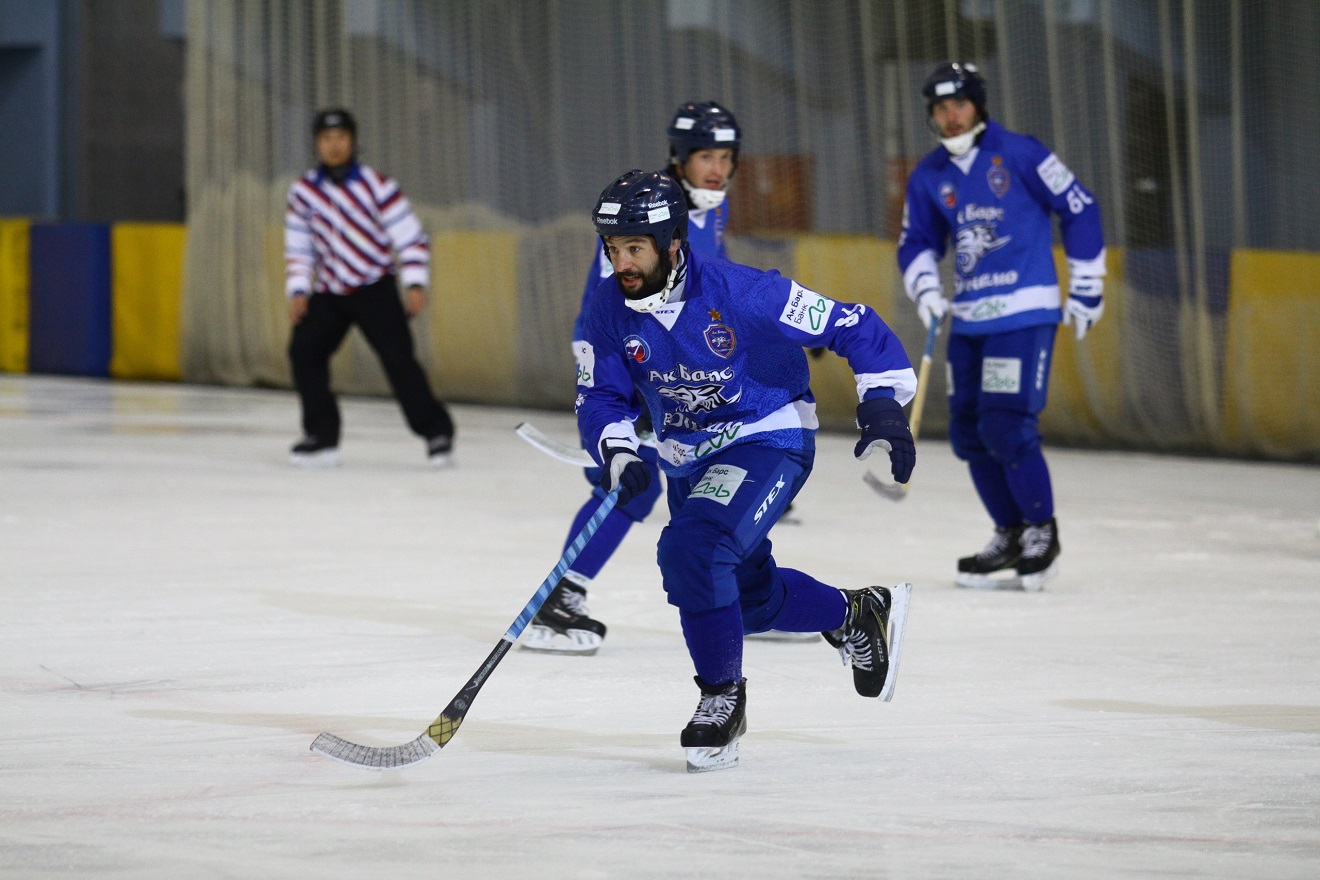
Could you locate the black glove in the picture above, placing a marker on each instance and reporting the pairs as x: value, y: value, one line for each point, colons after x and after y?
x: 623, y: 469
x: 883, y: 424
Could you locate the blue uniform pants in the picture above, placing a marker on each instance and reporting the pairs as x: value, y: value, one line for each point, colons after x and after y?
x: 716, y: 563
x: 997, y: 390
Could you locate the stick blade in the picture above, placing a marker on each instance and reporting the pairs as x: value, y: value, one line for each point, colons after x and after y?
x: 553, y: 448
x: 376, y: 757
x: 892, y: 491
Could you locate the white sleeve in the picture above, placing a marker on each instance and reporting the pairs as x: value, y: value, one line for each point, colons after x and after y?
x: 922, y: 264
x: 1092, y: 268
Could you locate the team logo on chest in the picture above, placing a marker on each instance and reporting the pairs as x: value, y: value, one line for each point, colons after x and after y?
x: 719, y: 336
x: 636, y: 349
x: 997, y: 177
x: 948, y: 195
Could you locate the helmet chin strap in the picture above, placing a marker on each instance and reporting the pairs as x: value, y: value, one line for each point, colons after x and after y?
x: 661, y: 296
x: 703, y: 199
x: 960, y: 144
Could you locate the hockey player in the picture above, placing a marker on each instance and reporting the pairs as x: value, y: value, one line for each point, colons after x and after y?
x: 716, y: 352
x: 993, y: 192
x: 342, y: 227
x: 704, y: 139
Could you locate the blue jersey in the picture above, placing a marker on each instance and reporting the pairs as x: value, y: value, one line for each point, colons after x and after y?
x: 997, y: 210
x: 705, y: 236
x: 724, y: 364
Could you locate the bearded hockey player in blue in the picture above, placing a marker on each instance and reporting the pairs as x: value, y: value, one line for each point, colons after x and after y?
x: 704, y: 139
x: 715, y: 351
x: 993, y: 193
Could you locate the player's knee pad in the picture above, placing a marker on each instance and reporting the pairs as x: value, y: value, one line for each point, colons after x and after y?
x: 964, y: 438
x: 1008, y: 435
x: 697, y: 561
x: 762, y: 591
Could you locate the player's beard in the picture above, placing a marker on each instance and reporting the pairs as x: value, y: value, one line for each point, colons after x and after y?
x: 652, y: 282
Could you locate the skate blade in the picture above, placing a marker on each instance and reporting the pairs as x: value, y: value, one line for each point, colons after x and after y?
x: 775, y: 635
x: 326, y: 458
x: 704, y: 760
x: 577, y: 642
x: 1034, y: 583
x: 1009, y: 581
x: 900, y: 598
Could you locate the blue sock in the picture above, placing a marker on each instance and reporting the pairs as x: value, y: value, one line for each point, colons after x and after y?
x: 603, y: 544
x: 992, y: 485
x: 1029, y: 481
x: 810, y: 606
x: 715, y: 641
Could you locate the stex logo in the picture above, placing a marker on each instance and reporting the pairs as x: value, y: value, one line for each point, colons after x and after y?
x: 769, y: 499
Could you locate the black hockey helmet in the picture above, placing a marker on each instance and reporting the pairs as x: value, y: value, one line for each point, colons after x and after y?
x: 643, y: 203
x: 334, y: 117
x: 956, y: 79
x: 702, y: 125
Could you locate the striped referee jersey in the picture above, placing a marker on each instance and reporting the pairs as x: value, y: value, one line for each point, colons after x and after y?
x: 339, y: 237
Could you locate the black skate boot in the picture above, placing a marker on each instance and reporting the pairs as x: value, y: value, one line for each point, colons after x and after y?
x: 313, y: 452
x: 1001, y: 554
x: 562, y: 625
x: 872, y: 637
x: 440, y: 450
x: 1040, y: 554
x: 711, y: 737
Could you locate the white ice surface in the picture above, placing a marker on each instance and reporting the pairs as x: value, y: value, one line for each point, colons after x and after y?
x: 184, y: 612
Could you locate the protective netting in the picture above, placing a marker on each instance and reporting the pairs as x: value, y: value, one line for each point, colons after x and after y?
x: 502, y: 121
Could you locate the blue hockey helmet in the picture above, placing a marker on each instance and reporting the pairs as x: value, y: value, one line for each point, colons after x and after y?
x: 643, y: 203
x: 955, y: 79
x: 702, y: 125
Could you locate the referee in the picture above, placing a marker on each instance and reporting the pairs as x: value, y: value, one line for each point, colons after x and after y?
x: 344, y: 223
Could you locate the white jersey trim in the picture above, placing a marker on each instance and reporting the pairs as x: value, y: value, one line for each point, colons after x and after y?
x: 619, y: 433
x: 904, y: 383
x: 1024, y: 299
x: 921, y: 264
x: 798, y: 415
x: 1092, y: 268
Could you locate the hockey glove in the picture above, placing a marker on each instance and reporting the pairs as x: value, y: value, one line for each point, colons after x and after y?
x: 622, y: 468
x: 931, y: 303
x: 1085, y: 304
x: 885, y: 426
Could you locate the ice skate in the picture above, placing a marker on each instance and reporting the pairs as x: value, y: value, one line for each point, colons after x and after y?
x: 562, y: 625
x: 312, y: 452
x: 711, y: 737
x: 871, y: 640
x: 440, y: 450
x: 1039, y: 562
x: 992, y: 568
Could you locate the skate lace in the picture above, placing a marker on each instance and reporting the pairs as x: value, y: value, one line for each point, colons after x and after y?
x: 997, y: 545
x: 1036, y: 540
x: 574, y: 603
x: 856, y: 650
x: 714, y: 709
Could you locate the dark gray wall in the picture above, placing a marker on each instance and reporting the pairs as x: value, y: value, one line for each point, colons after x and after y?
x: 128, y: 111
x: 30, y: 66
x: 91, y: 110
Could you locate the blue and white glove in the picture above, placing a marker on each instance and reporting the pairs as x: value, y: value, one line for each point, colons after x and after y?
x: 931, y: 302
x: 884, y: 426
x: 1086, y: 303
x: 622, y: 468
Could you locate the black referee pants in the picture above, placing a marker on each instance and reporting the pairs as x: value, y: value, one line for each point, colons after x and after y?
x: 379, y: 314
